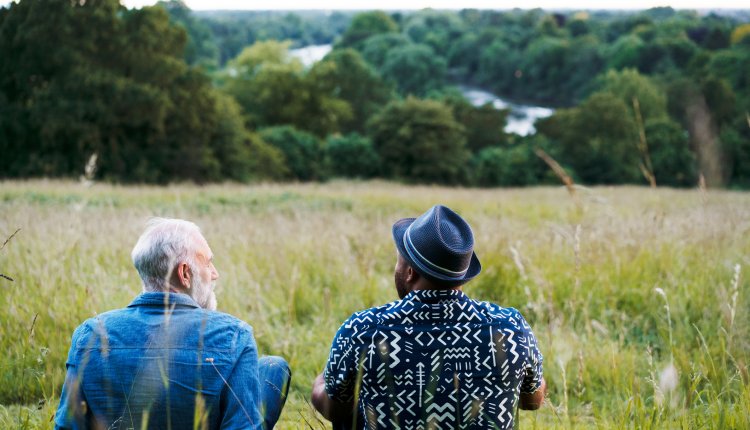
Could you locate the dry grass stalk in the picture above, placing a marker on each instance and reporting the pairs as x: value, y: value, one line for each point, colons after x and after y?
x: 581, y: 386
x: 577, y: 252
x: 646, y: 168
x: 2, y: 275
x: 658, y: 396
x: 647, y: 174
x: 735, y: 291
x: 564, y: 378
x: 9, y: 238
x: 89, y: 171
x: 517, y: 261
x: 663, y: 294
x: 560, y: 172
x: 702, y: 188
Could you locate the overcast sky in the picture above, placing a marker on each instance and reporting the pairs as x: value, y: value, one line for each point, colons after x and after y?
x: 444, y: 4
x: 451, y: 4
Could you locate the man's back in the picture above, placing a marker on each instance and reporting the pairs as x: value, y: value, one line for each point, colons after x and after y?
x: 163, y: 362
x: 435, y: 358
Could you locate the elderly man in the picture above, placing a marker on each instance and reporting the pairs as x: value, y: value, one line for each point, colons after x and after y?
x: 435, y: 358
x: 169, y: 360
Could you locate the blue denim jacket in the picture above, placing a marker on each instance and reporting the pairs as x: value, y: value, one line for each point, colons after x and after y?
x: 163, y: 362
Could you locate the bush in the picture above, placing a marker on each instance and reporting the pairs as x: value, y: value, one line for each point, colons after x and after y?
x: 669, y: 150
x: 303, y: 152
x: 419, y: 140
x: 352, y: 156
x: 514, y: 166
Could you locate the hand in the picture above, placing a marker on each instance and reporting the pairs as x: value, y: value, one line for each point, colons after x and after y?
x: 339, y: 413
x: 533, y: 401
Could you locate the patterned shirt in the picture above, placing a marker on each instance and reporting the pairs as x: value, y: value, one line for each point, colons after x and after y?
x: 437, y: 360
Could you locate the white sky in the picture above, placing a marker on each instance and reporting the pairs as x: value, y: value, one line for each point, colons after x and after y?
x: 444, y: 4
x: 451, y: 4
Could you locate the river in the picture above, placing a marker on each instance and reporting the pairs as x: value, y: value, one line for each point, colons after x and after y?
x: 520, y: 121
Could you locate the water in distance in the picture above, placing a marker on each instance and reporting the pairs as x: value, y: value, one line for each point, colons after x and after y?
x: 522, y: 117
x: 520, y: 121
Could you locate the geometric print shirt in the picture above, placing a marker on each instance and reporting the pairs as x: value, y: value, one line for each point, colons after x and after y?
x: 434, y: 360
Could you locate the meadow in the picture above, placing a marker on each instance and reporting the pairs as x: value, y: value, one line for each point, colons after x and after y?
x: 638, y: 296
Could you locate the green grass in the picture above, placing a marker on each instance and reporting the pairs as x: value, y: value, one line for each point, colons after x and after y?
x: 296, y: 260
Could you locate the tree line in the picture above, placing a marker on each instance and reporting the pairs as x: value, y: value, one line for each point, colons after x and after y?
x: 658, y: 96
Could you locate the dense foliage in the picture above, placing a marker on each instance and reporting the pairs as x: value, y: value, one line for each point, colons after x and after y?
x: 215, y: 37
x: 163, y: 94
x: 95, y: 78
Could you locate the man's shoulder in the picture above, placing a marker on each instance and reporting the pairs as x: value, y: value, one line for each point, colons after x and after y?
x: 216, y: 329
x: 500, y: 314
x: 205, y: 316
x: 495, y: 309
x: 366, y: 319
x: 224, y: 319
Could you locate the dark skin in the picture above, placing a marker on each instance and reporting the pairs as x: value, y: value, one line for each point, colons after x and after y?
x: 407, y: 280
x: 533, y: 401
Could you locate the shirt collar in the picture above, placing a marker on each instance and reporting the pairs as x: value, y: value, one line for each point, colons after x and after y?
x: 435, y: 296
x: 164, y: 299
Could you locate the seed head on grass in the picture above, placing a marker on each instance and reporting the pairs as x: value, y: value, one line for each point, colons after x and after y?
x: 661, y: 292
x: 668, y: 380
x: 2, y: 275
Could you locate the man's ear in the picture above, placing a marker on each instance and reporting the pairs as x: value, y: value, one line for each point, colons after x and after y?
x: 184, y: 274
x: 411, y: 275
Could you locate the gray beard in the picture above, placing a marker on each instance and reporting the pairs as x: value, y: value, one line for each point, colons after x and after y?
x: 203, y: 294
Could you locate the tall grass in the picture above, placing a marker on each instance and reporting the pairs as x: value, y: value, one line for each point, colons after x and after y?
x: 638, y: 296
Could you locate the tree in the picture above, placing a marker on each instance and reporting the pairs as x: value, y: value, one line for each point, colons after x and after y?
x: 625, y: 52
x: 365, y: 25
x: 629, y: 85
x: 420, y: 141
x: 273, y: 90
x: 598, y: 139
x: 93, y: 77
x: 736, y: 147
x: 269, y: 52
x: 200, y: 48
x: 345, y: 75
x: 513, y: 166
x: 352, y: 156
x: 303, y: 152
x: 499, y: 68
x: 673, y: 161
x: 578, y: 26
x: 436, y: 29
x: 585, y: 60
x: 414, y: 69
x: 544, y: 67
x: 740, y: 33
x: 376, y: 48
x: 243, y: 155
x: 484, y: 125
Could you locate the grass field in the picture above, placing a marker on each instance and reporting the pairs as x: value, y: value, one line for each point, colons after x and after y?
x: 639, y: 297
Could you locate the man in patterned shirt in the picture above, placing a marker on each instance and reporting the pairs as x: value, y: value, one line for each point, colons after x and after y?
x: 435, y: 359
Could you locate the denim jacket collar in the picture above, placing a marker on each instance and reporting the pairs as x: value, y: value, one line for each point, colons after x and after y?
x: 164, y: 299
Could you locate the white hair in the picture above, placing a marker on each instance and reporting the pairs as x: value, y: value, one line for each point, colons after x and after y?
x: 164, y: 244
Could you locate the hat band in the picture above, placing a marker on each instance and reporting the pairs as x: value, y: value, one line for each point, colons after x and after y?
x: 409, y: 246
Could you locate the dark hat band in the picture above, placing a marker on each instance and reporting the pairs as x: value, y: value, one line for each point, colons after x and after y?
x: 419, y: 258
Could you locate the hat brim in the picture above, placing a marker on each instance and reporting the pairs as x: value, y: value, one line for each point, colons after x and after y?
x: 399, y: 229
